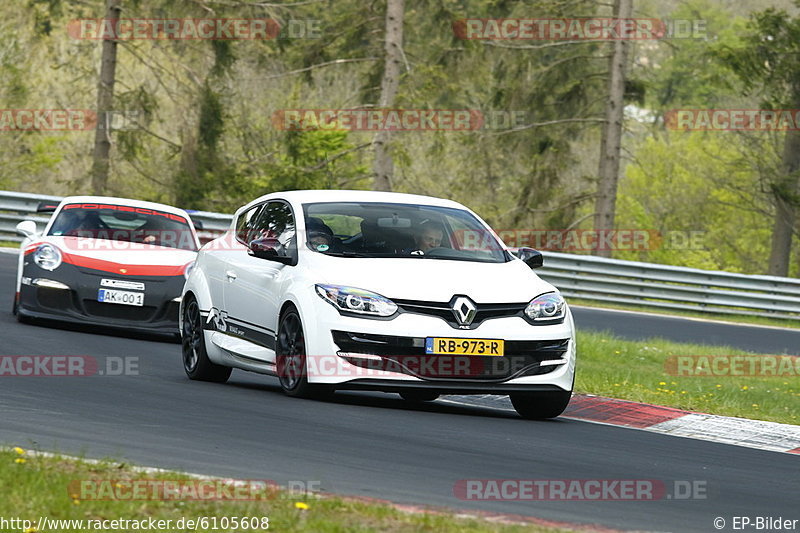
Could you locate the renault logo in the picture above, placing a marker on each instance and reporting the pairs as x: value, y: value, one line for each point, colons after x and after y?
x: 464, y: 309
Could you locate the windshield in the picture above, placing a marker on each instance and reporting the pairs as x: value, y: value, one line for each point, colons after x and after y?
x: 124, y: 223
x: 352, y: 229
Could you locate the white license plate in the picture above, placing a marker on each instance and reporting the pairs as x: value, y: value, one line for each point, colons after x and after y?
x: 120, y: 297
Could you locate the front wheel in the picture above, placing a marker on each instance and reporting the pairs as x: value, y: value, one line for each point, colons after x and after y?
x: 291, y: 365
x: 540, y: 405
x: 196, y: 363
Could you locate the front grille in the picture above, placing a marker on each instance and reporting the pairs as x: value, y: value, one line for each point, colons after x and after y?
x: 407, y: 355
x: 119, y: 312
x: 59, y: 299
x: 445, y: 312
x: 173, y: 311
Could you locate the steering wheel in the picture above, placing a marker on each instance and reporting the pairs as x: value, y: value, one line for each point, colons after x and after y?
x: 433, y: 251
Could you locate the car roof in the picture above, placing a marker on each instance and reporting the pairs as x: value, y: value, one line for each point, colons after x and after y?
x: 124, y: 201
x: 314, y: 196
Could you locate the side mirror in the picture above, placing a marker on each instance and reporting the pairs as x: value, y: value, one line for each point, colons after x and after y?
x: 27, y: 228
x: 532, y: 258
x: 269, y: 248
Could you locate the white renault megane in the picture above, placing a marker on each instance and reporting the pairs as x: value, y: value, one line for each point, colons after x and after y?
x: 345, y: 290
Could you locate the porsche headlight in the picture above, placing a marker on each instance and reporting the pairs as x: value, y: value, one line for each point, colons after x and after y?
x: 549, y: 307
x: 359, y: 301
x: 47, y: 257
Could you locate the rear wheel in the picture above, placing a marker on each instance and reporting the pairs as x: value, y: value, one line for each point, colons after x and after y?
x: 540, y: 405
x: 195, y: 358
x: 419, y: 395
x: 290, y: 352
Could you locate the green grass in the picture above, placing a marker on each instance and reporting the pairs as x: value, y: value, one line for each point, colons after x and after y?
x: 34, y: 485
x: 9, y: 244
x: 735, y: 319
x: 635, y: 370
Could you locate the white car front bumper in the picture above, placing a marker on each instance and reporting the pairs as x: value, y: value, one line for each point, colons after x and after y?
x: 365, y: 353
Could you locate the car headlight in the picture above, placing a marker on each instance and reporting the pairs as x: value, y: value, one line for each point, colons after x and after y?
x: 359, y: 301
x: 47, y: 257
x: 549, y: 307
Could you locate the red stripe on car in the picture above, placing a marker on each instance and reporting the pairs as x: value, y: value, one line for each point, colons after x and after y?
x: 123, y: 268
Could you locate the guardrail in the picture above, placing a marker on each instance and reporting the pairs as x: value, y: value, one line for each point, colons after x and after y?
x: 671, y: 287
x: 577, y: 276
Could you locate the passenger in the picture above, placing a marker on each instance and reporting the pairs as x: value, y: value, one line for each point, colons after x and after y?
x: 78, y: 223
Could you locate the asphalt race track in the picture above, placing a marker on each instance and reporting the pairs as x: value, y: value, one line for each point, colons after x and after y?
x: 375, y: 444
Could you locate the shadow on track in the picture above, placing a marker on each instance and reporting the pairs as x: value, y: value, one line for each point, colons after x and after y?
x: 379, y: 400
x: 92, y: 329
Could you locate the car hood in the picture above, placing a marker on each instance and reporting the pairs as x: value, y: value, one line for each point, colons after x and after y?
x: 432, y: 280
x: 114, y: 256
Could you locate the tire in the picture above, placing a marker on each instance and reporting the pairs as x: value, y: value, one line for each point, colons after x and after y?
x: 540, y: 405
x: 196, y: 363
x: 290, y: 352
x: 419, y: 395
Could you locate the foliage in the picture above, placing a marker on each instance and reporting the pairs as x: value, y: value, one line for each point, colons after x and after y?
x: 202, y: 134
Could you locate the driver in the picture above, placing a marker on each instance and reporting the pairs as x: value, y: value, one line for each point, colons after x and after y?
x: 428, y: 236
x: 320, y: 235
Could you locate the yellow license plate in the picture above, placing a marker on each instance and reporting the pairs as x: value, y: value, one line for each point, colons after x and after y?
x: 448, y: 346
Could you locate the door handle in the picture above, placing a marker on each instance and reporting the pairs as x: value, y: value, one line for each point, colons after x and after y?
x: 231, y: 275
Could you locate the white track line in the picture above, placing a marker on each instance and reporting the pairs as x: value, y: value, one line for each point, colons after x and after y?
x: 755, y: 434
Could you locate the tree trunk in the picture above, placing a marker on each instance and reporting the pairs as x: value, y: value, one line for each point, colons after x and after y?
x: 383, y: 166
x: 786, y: 198
x: 608, y: 171
x: 105, y: 103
